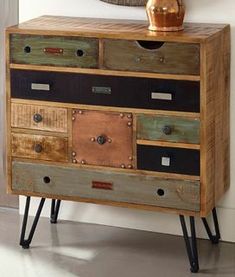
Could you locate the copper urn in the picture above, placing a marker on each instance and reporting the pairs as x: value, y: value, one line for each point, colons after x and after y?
x: 165, y: 15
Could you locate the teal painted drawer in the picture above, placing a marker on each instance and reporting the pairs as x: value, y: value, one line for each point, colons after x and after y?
x: 50, y: 50
x: 166, y: 128
x: 106, y: 185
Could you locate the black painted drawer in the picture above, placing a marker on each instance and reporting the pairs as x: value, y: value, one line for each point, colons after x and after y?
x: 167, y: 159
x: 106, y: 90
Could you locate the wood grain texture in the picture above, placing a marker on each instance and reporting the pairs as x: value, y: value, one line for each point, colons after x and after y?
x: 114, y: 28
x: 170, y: 58
x: 168, y: 144
x: 53, y: 119
x: 215, y: 73
x: 39, y: 147
x: 115, y: 151
x: 67, y: 45
x: 180, y: 129
x: 128, y: 188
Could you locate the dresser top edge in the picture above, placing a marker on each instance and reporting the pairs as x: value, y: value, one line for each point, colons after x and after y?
x: 114, y: 28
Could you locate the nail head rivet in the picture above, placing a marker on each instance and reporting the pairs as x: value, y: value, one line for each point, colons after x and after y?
x: 74, y: 154
x: 129, y: 166
x: 93, y: 139
x: 129, y: 124
x: 74, y: 161
x: 122, y: 166
x: 73, y: 118
x: 83, y: 162
x: 109, y: 140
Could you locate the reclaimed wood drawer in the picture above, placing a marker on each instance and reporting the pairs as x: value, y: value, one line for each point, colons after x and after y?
x: 166, y: 128
x: 102, y: 138
x: 168, y: 159
x: 54, y: 50
x: 150, y: 56
x: 113, y: 91
x: 39, y: 147
x: 106, y: 185
x: 39, y: 117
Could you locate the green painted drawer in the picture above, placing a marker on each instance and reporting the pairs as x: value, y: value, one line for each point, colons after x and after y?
x: 106, y: 185
x: 51, y: 50
x: 168, y: 128
x: 150, y: 56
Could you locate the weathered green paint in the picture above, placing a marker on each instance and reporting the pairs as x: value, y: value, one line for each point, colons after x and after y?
x: 69, y: 45
x: 184, y: 130
x: 171, y: 57
x: 129, y: 188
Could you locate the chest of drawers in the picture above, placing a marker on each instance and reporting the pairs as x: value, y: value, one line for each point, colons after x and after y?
x: 104, y: 111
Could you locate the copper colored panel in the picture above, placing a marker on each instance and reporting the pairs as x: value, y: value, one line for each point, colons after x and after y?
x: 102, y: 138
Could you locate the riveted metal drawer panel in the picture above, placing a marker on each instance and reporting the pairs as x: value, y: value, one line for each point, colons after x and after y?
x: 168, y: 159
x: 143, y: 93
x: 106, y: 185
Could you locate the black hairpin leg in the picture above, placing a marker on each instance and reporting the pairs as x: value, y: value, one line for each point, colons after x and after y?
x: 191, y: 243
x: 213, y: 238
x: 26, y: 242
x: 55, y: 206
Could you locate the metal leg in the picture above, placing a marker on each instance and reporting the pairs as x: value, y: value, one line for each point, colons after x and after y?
x: 55, y: 206
x: 191, y: 243
x: 26, y: 242
x: 213, y: 238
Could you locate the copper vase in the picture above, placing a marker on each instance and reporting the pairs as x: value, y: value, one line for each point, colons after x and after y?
x: 165, y: 15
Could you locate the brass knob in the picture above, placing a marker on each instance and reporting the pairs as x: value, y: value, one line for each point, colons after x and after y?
x: 167, y: 130
x: 37, y: 118
x: 101, y: 139
x: 38, y: 148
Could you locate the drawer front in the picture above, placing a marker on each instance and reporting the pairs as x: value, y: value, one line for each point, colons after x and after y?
x: 158, y: 57
x: 168, y: 159
x: 58, y: 51
x: 106, y: 185
x: 165, y: 128
x: 39, y: 147
x: 102, y: 138
x: 107, y: 90
x: 39, y: 118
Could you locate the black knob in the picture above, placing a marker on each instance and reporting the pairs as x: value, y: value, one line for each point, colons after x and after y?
x: 101, y: 140
x: 160, y: 192
x: 37, y: 118
x: 80, y: 52
x: 27, y: 49
x: 46, y: 180
x: 167, y: 130
x: 38, y: 148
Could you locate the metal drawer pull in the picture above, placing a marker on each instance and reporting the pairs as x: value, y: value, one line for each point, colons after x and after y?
x: 51, y: 50
x: 37, y: 86
x: 37, y: 118
x: 161, y: 96
x: 166, y: 161
x: 102, y: 185
x: 102, y: 90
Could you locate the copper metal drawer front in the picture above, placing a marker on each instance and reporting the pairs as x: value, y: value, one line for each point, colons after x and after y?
x: 166, y: 128
x: 50, y: 50
x: 113, y: 91
x: 39, y: 117
x: 118, y: 187
x: 39, y: 147
x: 168, y: 159
x: 102, y: 138
x: 150, y: 56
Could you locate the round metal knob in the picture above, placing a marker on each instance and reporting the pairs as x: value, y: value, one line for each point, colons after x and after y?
x: 167, y: 130
x: 101, y: 139
x: 38, y: 148
x: 37, y: 118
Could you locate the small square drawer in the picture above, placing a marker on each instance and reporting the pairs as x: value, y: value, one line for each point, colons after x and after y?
x: 130, y: 92
x: 39, y: 118
x: 54, y: 50
x: 39, y: 147
x: 106, y: 186
x: 168, y: 159
x: 152, y: 56
x: 166, y: 128
x: 102, y: 138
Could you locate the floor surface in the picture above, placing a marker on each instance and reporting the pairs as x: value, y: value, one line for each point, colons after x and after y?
x: 87, y: 250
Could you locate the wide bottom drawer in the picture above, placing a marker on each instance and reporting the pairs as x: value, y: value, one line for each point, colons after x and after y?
x: 105, y: 185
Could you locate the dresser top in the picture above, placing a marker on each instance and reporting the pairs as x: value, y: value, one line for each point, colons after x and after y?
x: 114, y: 28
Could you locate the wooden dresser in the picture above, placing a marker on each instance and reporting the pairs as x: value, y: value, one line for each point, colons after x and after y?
x: 105, y: 111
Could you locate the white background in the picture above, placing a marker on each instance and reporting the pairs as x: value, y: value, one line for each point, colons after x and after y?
x: 197, y: 11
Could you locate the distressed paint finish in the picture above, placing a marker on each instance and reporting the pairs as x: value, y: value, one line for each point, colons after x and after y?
x: 69, y: 46
x: 52, y: 148
x: 130, y: 188
x: 53, y: 119
x: 182, y: 129
x: 173, y: 58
